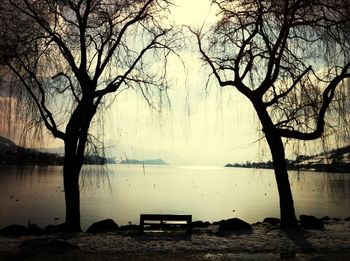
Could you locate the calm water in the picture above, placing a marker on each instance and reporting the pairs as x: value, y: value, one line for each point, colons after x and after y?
x: 122, y: 192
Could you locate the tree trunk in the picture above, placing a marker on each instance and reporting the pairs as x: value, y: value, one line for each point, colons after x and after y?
x: 287, y: 212
x: 75, y: 142
x: 71, y: 171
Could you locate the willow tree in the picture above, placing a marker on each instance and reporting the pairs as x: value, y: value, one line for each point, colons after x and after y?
x: 287, y: 57
x: 70, y: 55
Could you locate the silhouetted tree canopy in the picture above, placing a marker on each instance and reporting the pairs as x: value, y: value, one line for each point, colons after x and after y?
x: 66, y: 56
x: 291, y: 53
x: 288, y: 58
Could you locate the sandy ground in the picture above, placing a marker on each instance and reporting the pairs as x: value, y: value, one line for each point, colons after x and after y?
x: 265, y: 242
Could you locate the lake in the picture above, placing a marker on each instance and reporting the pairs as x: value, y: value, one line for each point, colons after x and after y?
x: 209, y: 193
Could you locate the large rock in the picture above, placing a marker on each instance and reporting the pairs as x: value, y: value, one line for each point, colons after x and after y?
x: 14, y: 230
x: 107, y: 225
x: 234, y: 224
x: 310, y: 222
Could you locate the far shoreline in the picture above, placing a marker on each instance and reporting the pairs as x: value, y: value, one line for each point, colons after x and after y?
x: 263, y: 166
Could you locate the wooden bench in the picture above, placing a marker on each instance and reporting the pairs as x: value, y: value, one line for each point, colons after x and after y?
x: 165, y: 220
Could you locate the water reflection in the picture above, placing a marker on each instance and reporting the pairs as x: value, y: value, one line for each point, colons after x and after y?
x: 335, y: 185
x: 122, y: 192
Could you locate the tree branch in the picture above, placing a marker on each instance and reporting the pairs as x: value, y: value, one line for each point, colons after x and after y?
x: 43, y: 24
x: 117, y: 81
x: 76, y: 97
x: 327, y: 96
x: 239, y: 85
x: 284, y: 94
x: 43, y: 110
x: 140, y: 15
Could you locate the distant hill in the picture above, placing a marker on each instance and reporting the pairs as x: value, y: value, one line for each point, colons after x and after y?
x: 336, y: 160
x: 10, y: 153
x: 7, y: 145
x: 58, y: 150
x: 145, y: 162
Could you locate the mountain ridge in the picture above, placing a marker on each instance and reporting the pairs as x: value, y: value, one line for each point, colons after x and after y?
x: 11, y: 153
x: 145, y: 162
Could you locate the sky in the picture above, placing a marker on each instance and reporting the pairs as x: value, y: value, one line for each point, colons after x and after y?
x: 205, y: 127
x: 206, y: 124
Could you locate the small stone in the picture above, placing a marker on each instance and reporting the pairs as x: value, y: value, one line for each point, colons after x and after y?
x: 34, y: 229
x: 107, y: 225
x: 325, y: 218
x: 50, y: 229
x: 200, y: 224
x: 272, y: 220
x: 310, y: 222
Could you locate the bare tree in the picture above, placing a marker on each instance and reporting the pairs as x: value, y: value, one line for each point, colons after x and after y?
x: 287, y: 57
x: 70, y: 55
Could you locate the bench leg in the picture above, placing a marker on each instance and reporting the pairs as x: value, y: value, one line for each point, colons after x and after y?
x: 189, y: 229
x: 189, y: 226
x: 142, y: 223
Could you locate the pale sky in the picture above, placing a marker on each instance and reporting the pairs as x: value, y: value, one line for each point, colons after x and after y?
x: 193, y: 12
x: 202, y: 127
x: 211, y: 128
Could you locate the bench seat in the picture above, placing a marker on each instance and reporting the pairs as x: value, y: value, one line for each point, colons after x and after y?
x: 164, y: 220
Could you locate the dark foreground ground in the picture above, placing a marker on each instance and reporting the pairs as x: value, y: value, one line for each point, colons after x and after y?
x: 264, y: 242
x: 186, y: 257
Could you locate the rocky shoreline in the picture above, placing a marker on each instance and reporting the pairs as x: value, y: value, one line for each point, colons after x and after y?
x: 109, y: 225
x: 231, y: 239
